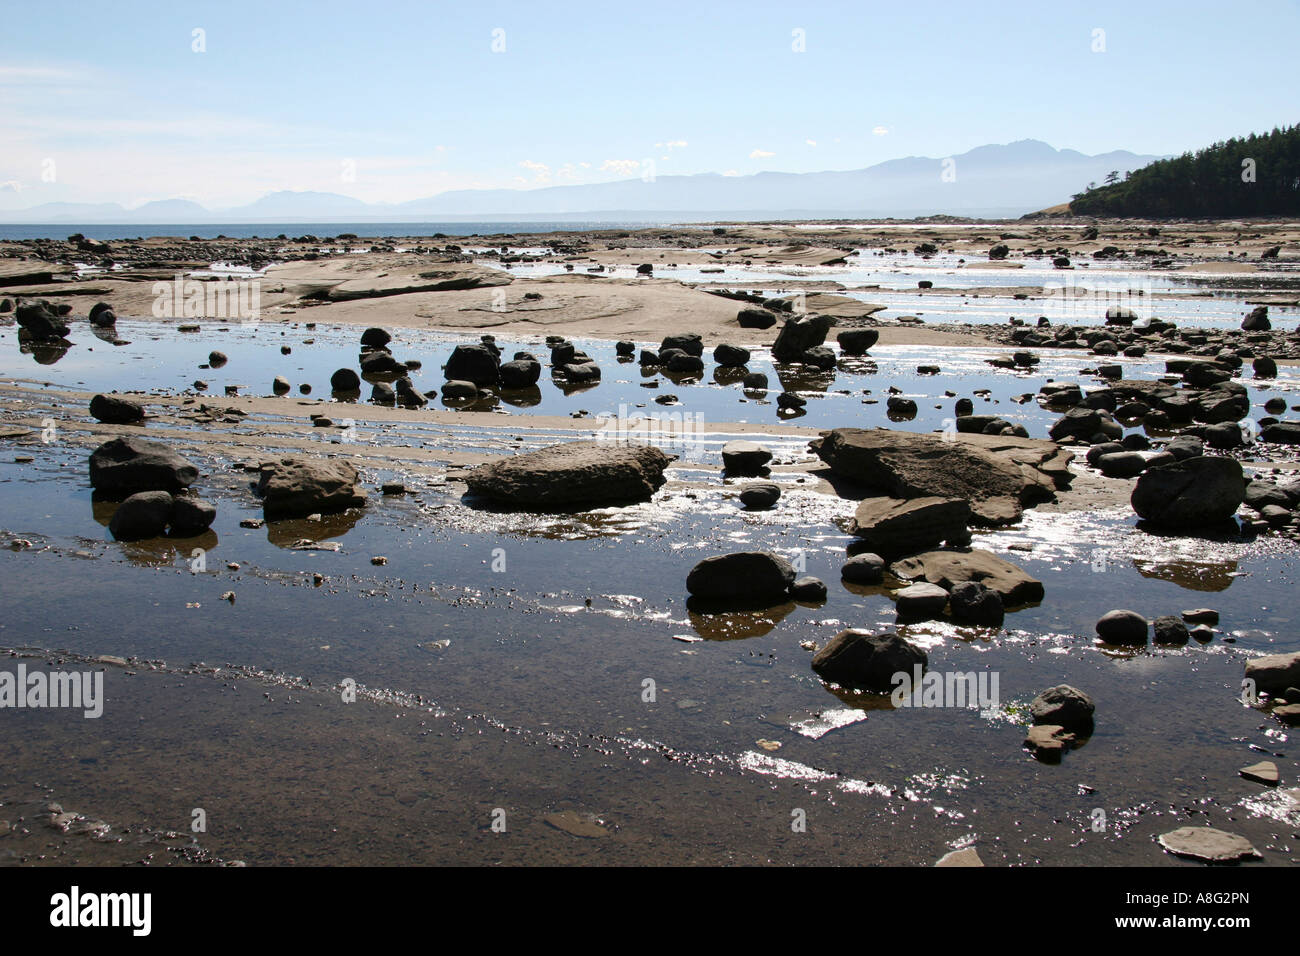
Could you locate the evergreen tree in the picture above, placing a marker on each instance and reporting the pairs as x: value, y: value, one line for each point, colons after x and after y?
x: 1256, y: 175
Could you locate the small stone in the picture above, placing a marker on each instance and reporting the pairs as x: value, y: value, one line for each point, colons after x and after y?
x: 863, y: 569
x: 379, y: 559
x: 1203, y: 615
x: 1064, y: 706
x: 1208, y: 845
x: 808, y: 589
x: 1122, y: 627
x: 921, y: 601
x: 1264, y: 772
x: 1048, y: 742
x: 760, y: 495
x: 965, y: 857
x: 576, y: 824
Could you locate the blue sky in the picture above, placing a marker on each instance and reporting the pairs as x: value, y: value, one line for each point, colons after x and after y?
x: 390, y: 100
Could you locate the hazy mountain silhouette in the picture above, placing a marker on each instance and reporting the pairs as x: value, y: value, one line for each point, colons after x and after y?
x: 989, y: 181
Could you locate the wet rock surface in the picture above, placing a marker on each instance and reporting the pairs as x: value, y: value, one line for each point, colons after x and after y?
x: 294, y: 487
x: 573, y: 474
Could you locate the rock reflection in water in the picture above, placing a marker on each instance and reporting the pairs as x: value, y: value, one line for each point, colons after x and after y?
x: 286, y: 534
x: 163, y: 552
x: 714, y: 622
x: 1192, y: 575
x: 522, y: 397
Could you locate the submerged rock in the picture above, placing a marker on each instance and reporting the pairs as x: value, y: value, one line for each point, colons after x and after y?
x: 1048, y: 742
x: 573, y: 474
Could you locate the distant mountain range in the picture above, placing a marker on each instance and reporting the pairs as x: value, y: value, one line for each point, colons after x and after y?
x: 998, y: 181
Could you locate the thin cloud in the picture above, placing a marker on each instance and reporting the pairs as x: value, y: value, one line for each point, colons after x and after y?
x: 623, y: 167
x: 760, y: 154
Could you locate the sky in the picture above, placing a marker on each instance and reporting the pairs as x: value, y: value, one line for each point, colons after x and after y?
x: 390, y: 100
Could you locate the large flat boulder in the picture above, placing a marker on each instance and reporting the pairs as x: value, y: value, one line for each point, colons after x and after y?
x: 949, y: 567
x: 897, y: 526
x: 298, y: 487
x: 997, y: 476
x: 574, y: 474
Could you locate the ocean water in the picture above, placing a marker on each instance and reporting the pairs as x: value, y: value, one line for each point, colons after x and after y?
x: 268, y: 230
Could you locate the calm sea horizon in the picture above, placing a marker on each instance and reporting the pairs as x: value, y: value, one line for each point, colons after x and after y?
x: 270, y: 230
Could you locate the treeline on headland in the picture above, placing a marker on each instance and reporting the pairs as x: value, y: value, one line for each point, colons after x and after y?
x: 1258, y: 175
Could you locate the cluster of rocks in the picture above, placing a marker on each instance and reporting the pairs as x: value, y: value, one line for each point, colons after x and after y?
x: 390, y: 379
x: 922, y: 495
x: 1181, y: 484
x: 1275, y: 679
x: 1129, y: 628
x: 1124, y: 332
x: 41, y: 322
x: 150, y: 481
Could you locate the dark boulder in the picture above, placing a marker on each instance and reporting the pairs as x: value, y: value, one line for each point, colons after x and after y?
x: 1190, y: 494
x: 115, y: 410
x: 124, y: 466
x: 742, y: 577
x: 865, y: 661
x: 145, y: 514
